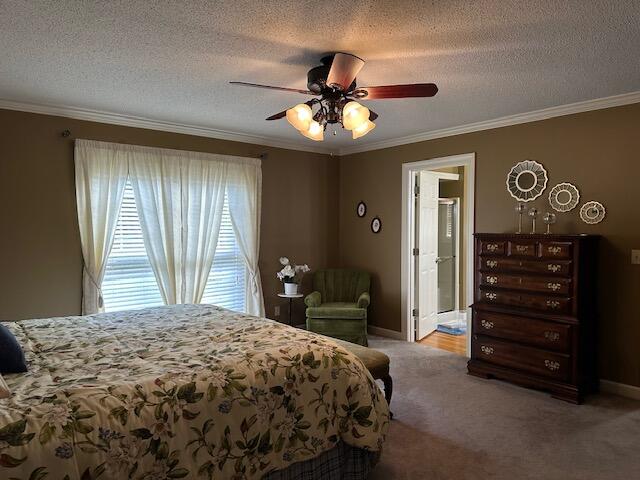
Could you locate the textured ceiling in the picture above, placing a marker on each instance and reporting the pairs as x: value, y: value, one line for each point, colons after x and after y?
x: 172, y: 61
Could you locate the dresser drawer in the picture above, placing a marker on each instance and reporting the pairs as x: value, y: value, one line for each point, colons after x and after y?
x: 510, y: 264
x: 522, y: 248
x: 544, y: 303
x: 497, y: 247
x: 524, y: 282
x: 556, y: 249
x: 538, y: 333
x: 527, y: 359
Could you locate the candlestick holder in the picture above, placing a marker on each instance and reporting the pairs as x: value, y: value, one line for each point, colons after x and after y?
x: 533, y: 213
x: 520, y: 208
x: 549, y: 219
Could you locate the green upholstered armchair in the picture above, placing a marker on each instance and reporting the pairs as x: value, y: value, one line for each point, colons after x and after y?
x: 338, y: 305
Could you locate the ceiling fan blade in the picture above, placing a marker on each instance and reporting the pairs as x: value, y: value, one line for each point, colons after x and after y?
x: 344, y: 69
x: 283, y: 89
x: 277, y: 116
x: 396, y: 91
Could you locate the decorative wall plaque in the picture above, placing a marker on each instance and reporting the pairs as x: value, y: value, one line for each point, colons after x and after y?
x: 527, y: 180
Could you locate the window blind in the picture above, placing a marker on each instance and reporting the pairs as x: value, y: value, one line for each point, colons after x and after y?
x: 227, y: 280
x: 129, y: 282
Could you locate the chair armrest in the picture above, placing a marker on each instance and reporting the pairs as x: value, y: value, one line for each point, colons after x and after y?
x: 364, y: 300
x: 314, y: 299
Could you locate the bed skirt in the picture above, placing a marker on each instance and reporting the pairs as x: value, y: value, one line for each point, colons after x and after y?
x: 342, y: 462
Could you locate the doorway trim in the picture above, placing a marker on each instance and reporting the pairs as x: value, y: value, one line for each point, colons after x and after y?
x: 407, y: 281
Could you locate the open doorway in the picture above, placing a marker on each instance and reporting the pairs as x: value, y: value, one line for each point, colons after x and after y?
x: 437, y: 270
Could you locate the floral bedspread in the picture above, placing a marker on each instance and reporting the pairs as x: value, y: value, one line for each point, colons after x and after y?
x: 191, y: 391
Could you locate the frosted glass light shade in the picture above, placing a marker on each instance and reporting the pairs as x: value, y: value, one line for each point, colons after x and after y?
x: 300, y: 116
x: 363, y: 129
x: 314, y: 132
x: 354, y: 115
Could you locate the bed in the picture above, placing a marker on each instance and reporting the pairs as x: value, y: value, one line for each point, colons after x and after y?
x: 189, y: 391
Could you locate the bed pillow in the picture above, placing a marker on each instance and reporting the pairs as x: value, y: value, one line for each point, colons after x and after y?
x: 4, y: 390
x: 11, y: 355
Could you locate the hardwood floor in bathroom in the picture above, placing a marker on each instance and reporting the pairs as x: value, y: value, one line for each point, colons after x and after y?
x: 451, y: 343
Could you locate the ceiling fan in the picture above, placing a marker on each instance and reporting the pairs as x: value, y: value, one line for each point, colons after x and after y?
x: 334, y: 82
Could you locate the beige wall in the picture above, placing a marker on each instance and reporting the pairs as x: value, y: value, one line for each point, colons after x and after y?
x: 40, y: 258
x: 597, y: 151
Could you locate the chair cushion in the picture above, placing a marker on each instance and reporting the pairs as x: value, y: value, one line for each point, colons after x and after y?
x: 376, y: 362
x: 343, y: 310
x: 11, y: 355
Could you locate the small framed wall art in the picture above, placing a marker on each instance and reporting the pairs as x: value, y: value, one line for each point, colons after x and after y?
x: 376, y: 225
x: 361, y: 209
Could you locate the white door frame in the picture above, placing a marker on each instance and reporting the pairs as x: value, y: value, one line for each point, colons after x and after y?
x: 407, y: 280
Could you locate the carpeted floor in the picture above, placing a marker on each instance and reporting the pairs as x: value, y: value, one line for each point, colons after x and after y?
x: 449, y: 425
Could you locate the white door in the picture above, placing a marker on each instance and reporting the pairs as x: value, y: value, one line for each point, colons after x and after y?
x: 426, y: 264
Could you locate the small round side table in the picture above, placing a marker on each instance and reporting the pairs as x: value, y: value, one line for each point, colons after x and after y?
x: 290, y: 297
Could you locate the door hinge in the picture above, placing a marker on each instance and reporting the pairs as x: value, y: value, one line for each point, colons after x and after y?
x: 414, y: 312
x: 416, y: 190
x: 416, y: 252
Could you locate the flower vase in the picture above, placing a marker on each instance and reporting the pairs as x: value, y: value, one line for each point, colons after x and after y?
x: 290, y: 288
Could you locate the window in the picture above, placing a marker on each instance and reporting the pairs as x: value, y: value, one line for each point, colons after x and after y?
x: 129, y: 281
x: 226, y: 283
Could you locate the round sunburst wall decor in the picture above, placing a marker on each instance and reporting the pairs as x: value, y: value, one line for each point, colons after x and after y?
x: 564, y: 197
x: 527, y: 180
x: 592, y: 212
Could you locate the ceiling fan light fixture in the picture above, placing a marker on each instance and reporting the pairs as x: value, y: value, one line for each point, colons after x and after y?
x: 300, y: 116
x: 314, y: 132
x: 354, y: 115
x: 334, y: 85
x: 362, y: 129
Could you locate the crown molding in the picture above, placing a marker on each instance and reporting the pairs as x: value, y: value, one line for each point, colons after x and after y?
x: 534, y: 116
x: 142, y: 122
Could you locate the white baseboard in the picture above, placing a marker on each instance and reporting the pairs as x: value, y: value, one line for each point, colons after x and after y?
x: 384, y: 332
x: 621, y: 389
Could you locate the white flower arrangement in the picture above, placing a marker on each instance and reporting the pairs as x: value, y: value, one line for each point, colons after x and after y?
x: 290, y: 272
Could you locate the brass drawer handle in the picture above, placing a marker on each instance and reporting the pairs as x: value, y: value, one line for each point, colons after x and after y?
x: 552, y: 365
x: 486, y: 350
x: 521, y: 248
x: 553, y: 304
x: 492, y: 280
x: 552, y: 267
x: 554, y: 250
x: 492, y: 247
x: 551, y: 336
x: 490, y: 296
x: 486, y: 324
x: 554, y: 286
x: 492, y: 263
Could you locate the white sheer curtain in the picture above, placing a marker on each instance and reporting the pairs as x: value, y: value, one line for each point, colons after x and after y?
x: 244, y: 188
x: 179, y: 196
x: 101, y: 174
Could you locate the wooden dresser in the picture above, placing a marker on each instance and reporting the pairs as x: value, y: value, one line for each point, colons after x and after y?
x: 534, y: 312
